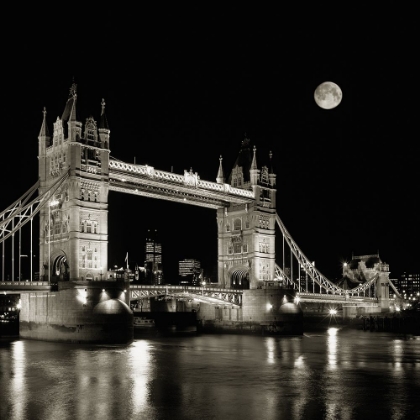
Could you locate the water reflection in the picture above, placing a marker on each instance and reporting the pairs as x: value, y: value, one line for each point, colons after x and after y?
x: 332, y: 347
x: 17, y: 380
x: 334, y: 375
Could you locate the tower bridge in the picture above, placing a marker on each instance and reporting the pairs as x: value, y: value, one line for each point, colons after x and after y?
x: 70, y: 200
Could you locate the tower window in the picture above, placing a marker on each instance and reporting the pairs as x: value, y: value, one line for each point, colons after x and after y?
x: 237, y: 224
x: 237, y: 248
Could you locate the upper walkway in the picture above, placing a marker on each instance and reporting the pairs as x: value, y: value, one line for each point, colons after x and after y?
x: 147, y: 181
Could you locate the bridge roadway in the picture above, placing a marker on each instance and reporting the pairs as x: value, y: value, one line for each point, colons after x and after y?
x: 205, y: 294
x: 24, y: 286
x: 337, y: 299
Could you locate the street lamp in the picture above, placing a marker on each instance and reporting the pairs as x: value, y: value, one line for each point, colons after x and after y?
x: 51, y: 204
x: 20, y: 265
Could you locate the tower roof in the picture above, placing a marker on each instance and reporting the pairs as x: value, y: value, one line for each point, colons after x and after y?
x: 244, y: 159
x: 69, y: 113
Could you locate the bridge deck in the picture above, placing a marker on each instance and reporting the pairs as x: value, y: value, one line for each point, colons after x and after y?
x: 24, y: 286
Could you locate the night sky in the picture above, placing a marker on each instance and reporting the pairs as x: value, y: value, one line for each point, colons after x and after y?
x: 183, y: 85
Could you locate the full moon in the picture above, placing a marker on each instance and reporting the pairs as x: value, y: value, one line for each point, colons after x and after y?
x: 328, y: 95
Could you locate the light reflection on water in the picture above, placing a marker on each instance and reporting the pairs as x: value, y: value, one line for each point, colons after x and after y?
x: 339, y: 374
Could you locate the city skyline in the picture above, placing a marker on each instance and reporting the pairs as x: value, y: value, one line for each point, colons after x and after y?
x: 185, y: 95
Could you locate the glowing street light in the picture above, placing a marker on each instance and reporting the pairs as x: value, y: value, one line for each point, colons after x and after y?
x: 51, y: 204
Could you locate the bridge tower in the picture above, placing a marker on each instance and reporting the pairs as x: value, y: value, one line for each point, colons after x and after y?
x: 246, y: 232
x: 73, y: 226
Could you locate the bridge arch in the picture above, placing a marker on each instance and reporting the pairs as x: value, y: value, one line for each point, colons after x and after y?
x: 239, y: 277
x: 60, y: 269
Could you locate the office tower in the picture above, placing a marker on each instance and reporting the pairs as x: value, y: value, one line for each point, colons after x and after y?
x: 153, y: 258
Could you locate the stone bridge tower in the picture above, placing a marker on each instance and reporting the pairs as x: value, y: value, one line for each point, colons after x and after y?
x: 246, y: 233
x: 74, y: 223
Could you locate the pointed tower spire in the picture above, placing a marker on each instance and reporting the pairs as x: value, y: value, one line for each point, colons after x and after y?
x: 69, y: 113
x: 103, y: 122
x: 103, y: 128
x: 254, y: 158
x: 44, y: 137
x: 44, y: 128
x: 271, y: 174
x: 71, y: 125
x: 270, y: 155
x: 254, y: 172
x: 220, y: 176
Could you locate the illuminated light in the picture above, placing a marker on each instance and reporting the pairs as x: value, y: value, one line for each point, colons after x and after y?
x: 125, y: 291
x: 103, y: 290
x: 297, y: 300
x: 332, y: 331
x: 269, y: 306
x: 19, y: 305
x: 82, y: 296
x: 333, y: 311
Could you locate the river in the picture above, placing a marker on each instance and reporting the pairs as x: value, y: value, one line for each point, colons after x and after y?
x: 334, y: 374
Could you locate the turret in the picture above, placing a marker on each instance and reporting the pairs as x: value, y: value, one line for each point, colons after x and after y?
x: 44, y: 137
x: 103, y: 128
x: 271, y: 174
x: 220, y: 179
x: 254, y: 171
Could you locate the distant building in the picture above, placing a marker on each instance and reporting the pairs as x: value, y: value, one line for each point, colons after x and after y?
x: 153, y: 259
x: 408, y: 285
x: 306, y: 282
x: 189, y: 272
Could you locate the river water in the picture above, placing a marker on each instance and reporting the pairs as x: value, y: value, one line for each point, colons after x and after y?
x: 334, y: 374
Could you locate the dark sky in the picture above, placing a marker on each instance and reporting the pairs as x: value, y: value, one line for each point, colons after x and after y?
x: 182, y: 86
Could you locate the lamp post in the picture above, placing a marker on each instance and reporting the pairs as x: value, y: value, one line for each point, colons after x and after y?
x: 20, y: 265
x: 101, y: 273
x: 51, y: 204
